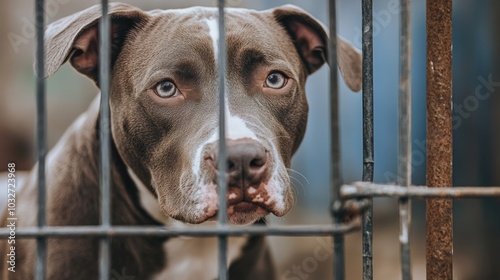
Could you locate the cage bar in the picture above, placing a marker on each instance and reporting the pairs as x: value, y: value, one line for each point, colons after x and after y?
x: 368, y: 157
x: 41, y: 132
x: 202, y: 231
x: 404, y: 136
x: 335, y: 164
x: 221, y: 164
x: 364, y: 189
x: 105, y: 142
x: 439, y: 212
x: 439, y: 192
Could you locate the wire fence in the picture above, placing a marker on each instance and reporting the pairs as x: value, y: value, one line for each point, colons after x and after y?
x: 344, y: 198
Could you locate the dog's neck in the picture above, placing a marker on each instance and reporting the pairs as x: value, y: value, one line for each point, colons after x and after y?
x: 196, y: 253
x: 149, y: 202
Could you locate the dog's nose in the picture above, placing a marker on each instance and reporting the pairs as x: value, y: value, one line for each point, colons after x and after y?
x: 246, y: 163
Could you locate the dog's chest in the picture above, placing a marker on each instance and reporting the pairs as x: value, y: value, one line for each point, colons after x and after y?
x: 193, y: 258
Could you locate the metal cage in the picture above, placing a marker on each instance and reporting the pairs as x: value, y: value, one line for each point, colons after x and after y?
x: 358, y: 195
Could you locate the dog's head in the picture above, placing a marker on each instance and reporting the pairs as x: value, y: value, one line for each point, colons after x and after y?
x: 164, y: 101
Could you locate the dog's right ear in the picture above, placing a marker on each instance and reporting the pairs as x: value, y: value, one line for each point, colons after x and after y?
x: 76, y: 38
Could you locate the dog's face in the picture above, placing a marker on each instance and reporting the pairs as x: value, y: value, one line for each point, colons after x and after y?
x: 164, y: 100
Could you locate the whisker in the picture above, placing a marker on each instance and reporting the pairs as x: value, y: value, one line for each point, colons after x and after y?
x: 301, y: 186
x: 297, y: 172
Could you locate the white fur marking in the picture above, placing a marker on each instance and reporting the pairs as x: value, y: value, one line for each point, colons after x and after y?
x: 276, y: 187
x: 207, y: 199
x: 199, y: 150
x: 251, y: 190
x: 214, y: 34
x: 237, y: 128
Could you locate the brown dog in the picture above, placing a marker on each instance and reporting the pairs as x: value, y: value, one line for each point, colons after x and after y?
x: 164, y: 132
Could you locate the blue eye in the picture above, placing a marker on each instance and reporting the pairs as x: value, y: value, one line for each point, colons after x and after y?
x: 276, y: 80
x: 166, y: 89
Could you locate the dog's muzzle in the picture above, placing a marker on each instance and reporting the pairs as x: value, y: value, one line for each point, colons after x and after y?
x: 248, y: 172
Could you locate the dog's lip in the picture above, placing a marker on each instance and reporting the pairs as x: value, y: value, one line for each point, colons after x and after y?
x: 245, y: 207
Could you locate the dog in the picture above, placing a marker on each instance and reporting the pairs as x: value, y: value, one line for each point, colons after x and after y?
x: 164, y: 126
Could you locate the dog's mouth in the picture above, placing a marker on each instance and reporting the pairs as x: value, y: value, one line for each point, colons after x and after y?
x: 243, y: 207
x: 247, y: 207
x: 243, y: 212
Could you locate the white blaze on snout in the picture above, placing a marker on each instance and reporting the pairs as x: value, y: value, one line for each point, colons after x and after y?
x: 236, y: 128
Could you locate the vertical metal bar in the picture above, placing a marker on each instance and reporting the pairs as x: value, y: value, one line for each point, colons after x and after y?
x: 221, y: 164
x: 404, y: 141
x: 104, y: 138
x: 439, y: 213
x: 41, y: 136
x: 336, y: 176
x: 368, y: 160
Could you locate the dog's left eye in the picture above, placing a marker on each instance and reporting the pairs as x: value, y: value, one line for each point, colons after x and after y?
x: 276, y: 80
x: 166, y: 89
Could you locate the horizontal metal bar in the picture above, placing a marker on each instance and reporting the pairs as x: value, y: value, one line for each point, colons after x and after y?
x: 364, y: 189
x: 201, y: 231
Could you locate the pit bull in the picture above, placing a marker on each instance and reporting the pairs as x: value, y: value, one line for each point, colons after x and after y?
x: 164, y: 126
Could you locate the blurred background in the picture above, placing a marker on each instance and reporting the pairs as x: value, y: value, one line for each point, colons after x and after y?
x: 475, y: 123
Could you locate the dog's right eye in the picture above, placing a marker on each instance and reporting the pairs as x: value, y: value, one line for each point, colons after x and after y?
x: 166, y: 89
x: 275, y: 80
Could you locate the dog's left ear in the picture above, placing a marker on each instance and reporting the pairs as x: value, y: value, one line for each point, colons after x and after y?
x: 76, y: 38
x: 311, y: 41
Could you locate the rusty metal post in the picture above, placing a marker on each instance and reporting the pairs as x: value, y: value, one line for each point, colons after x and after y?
x: 439, y: 214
